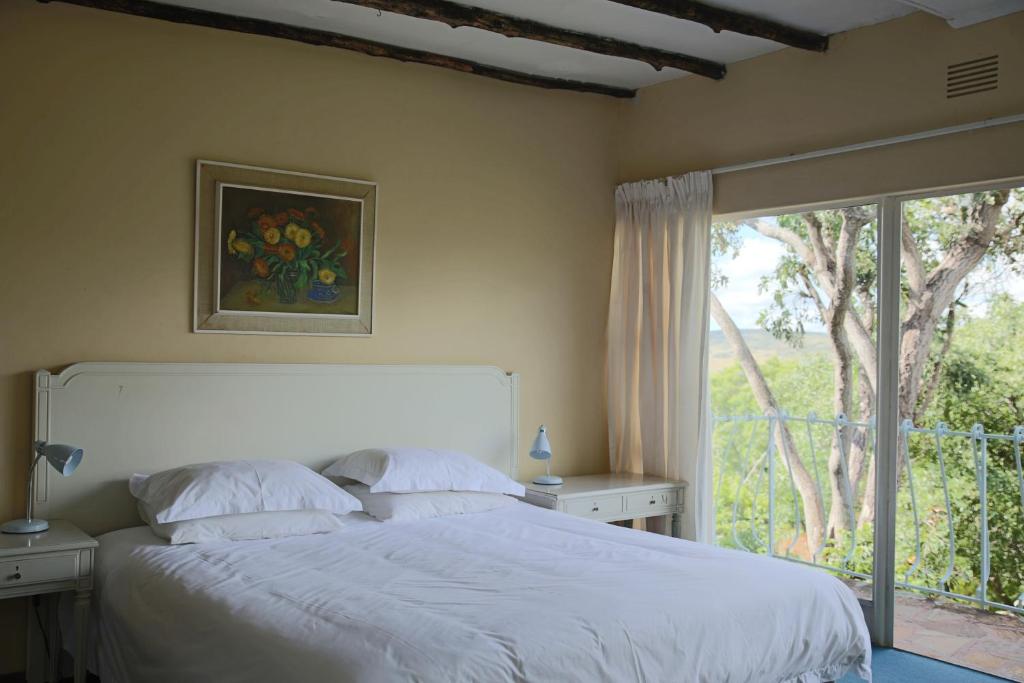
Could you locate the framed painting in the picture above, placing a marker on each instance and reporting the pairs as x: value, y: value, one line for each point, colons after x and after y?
x: 282, y: 252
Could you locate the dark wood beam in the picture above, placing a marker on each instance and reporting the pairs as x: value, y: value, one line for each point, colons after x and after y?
x: 719, y: 19
x: 456, y: 15
x: 262, y: 27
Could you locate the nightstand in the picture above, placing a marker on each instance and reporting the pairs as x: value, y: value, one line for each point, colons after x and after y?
x: 59, y: 559
x: 613, y: 497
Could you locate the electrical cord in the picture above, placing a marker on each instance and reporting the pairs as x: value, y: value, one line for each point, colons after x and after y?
x: 42, y: 629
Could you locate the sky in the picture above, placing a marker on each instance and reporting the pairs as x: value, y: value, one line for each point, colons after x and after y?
x: 758, y: 257
x: 740, y: 296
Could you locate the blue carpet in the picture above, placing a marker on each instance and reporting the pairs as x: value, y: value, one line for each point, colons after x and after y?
x: 895, y: 666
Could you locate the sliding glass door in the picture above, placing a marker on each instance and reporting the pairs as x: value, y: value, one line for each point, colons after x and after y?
x: 868, y: 399
x: 793, y: 387
x: 959, y: 513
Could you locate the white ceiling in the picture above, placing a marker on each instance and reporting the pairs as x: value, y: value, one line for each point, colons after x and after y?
x: 595, y: 16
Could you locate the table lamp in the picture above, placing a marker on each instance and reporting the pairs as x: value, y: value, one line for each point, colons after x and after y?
x: 62, y: 458
x: 541, y: 450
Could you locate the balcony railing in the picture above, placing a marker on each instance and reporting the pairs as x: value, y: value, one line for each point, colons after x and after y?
x: 945, y: 514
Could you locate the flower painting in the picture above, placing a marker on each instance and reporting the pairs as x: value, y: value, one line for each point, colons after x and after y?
x: 286, y: 253
x: 287, y: 260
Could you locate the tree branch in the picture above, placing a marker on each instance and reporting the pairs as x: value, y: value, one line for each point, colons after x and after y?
x: 812, y: 505
x: 935, y: 375
x: 912, y: 260
x: 787, y: 237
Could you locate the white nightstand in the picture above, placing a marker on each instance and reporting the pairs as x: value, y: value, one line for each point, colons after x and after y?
x: 57, y: 560
x: 613, y: 497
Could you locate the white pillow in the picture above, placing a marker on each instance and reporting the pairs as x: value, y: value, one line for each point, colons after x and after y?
x: 426, y: 504
x: 236, y: 487
x: 409, y: 470
x: 249, y: 526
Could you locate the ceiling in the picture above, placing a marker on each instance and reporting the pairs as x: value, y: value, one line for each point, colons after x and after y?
x: 600, y: 17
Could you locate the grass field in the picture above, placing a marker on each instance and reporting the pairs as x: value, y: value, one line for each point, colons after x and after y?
x: 763, y: 346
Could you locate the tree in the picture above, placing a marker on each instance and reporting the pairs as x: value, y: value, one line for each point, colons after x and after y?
x: 827, y: 276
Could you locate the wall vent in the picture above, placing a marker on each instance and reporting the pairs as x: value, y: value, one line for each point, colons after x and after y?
x: 968, y: 78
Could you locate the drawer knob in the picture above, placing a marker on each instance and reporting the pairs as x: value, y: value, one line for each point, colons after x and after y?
x: 16, y: 576
x: 594, y: 509
x: 652, y: 502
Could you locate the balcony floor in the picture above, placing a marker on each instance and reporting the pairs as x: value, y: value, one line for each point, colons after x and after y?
x: 941, y: 629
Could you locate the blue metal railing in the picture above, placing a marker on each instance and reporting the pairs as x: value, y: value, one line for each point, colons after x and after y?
x: 747, y: 448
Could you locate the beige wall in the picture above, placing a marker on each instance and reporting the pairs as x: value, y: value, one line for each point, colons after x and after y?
x: 874, y: 82
x: 495, y: 204
x: 495, y: 218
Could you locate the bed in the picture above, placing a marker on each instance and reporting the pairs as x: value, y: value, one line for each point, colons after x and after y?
x: 514, y: 594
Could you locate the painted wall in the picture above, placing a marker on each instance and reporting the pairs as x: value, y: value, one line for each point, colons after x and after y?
x: 874, y: 82
x: 496, y: 200
x: 495, y: 220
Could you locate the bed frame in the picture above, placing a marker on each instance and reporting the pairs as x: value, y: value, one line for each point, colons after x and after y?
x: 145, y: 417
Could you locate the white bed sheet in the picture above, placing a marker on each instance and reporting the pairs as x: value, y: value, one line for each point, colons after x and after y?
x: 514, y: 594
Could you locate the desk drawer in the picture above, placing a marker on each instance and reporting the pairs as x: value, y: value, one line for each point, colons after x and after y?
x: 598, y: 507
x: 38, y: 569
x: 650, y: 500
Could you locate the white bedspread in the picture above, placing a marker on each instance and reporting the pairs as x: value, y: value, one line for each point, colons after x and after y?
x: 514, y: 594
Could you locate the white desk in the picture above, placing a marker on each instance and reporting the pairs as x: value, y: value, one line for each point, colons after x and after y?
x: 613, y: 497
x: 57, y: 560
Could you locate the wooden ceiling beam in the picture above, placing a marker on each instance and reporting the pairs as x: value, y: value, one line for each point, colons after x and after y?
x: 456, y: 15
x: 719, y: 19
x: 262, y: 27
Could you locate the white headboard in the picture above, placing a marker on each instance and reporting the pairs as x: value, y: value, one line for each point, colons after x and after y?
x: 145, y: 417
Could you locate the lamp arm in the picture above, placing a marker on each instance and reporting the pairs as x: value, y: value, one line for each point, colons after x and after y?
x: 28, y: 486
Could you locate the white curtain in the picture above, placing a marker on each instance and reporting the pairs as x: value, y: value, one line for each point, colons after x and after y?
x: 658, y: 413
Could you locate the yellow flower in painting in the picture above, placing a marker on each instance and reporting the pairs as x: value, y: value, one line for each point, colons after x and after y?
x: 231, y: 242
x: 271, y: 235
x: 291, y: 230
x: 303, y: 237
x: 326, y: 276
x: 242, y: 247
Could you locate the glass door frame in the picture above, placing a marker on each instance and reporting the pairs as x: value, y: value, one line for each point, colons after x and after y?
x: 879, y: 611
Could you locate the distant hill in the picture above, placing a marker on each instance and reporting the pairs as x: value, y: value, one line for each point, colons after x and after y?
x: 764, y: 346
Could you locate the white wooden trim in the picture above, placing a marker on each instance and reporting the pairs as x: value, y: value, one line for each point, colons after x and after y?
x: 886, y: 474
x: 871, y: 144
x: 145, y: 417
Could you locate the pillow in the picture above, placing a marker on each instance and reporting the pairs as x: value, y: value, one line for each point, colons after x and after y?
x: 236, y: 487
x: 249, y: 526
x: 410, y: 470
x: 427, y: 504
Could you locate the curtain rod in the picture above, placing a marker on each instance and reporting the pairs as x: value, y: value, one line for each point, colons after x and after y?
x: 883, y: 142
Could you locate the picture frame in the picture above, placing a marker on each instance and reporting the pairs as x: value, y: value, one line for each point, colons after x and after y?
x: 282, y: 252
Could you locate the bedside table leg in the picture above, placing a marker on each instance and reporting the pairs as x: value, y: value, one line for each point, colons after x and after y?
x: 51, y: 603
x: 81, y: 632
x: 677, y: 525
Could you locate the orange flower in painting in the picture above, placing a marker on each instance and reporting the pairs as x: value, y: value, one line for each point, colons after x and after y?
x: 281, y: 218
x: 296, y: 213
x: 287, y: 252
x: 317, y: 229
x: 271, y: 249
x: 267, y: 221
x: 260, y: 267
x: 255, y: 212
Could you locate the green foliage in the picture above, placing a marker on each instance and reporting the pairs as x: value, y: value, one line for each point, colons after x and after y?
x: 980, y: 381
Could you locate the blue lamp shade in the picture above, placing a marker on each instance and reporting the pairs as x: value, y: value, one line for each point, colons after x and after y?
x: 541, y: 450
x: 64, y: 459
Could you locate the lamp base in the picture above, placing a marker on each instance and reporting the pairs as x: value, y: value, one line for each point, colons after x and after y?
x: 548, y: 480
x: 25, y: 526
